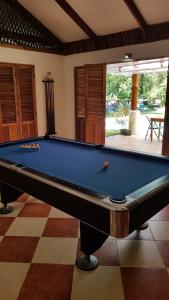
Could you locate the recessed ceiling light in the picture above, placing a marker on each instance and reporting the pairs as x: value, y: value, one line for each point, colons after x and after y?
x: 128, y: 56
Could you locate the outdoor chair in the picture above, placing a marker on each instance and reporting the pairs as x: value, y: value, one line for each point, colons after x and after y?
x: 154, y: 126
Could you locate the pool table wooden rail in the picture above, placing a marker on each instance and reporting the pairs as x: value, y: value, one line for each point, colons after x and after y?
x: 95, y: 210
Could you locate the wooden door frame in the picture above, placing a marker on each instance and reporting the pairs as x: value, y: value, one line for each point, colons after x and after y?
x: 165, y: 141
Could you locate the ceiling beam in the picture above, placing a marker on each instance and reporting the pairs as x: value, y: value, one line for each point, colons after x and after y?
x: 136, y: 14
x: 156, y: 32
x: 76, y: 18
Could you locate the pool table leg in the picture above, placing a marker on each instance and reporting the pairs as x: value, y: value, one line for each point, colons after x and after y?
x: 91, y: 240
x: 8, y: 194
x: 143, y: 226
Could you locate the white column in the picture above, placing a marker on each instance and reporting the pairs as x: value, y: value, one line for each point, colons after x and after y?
x: 134, y: 117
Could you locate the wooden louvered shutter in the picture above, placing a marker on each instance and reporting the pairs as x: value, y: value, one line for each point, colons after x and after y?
x: 90, y: 90
x: 95, y: 98
x: 80, y: 103
x: 26, y: 91
x: 8, y: 106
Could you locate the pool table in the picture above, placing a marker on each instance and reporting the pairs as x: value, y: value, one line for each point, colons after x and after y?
x: 111, y: 191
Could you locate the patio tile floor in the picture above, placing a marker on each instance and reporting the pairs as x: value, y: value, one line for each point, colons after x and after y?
x: 134, y: 143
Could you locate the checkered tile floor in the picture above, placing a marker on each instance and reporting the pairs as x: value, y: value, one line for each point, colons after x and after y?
x: 38, y: 248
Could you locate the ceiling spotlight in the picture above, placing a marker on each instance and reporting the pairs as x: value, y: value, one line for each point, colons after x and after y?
x: 128, y: 56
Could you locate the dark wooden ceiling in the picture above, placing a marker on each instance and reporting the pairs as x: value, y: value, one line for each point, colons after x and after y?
x: 19, y: 28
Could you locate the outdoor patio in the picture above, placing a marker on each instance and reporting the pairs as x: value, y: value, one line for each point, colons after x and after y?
x: 134, y: 142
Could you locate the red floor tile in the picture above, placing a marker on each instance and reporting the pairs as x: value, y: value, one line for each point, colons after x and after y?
x: 143, y: 234
x: 61, y: 227
x: 17, y: 249
x: 45, y: 281
x: 163, y: 247
x: 163, y: 215
x: 107, y: 255
x: 145, y: 284
x: 4, y: 224
x: 35, y: 210
x: 23, y: 198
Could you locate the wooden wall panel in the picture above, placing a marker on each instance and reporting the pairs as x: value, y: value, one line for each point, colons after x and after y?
x: 9, y: 133
x: 80, y: 129
x: 26, y: 95
x: 28, y: 130
x: 80, y: 103
x: 7, y: 95
x: 96, y: 103
x: 95, y: 91
x: 165, y: 143
x: 94, y: 131
x: 32, y: 129
x: 25, y: 131
x: 13, y: 133
x: 5, y: 134
x: 90, y: 93
x: 17, y: 102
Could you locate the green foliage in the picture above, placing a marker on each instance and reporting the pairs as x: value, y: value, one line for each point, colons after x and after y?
x: 118, y: 86
x: 121, y: 113
x: 122, y: 110
x: 112, y: 132
x: 151, y: 86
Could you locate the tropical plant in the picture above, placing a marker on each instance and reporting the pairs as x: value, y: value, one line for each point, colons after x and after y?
x: 152, y: 86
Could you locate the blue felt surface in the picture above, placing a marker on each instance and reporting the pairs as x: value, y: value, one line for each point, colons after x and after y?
x: 83, y: 166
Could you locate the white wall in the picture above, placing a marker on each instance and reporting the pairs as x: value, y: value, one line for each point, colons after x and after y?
x: 43, y: 63
x: 62, y: 69
x: 143, y: 51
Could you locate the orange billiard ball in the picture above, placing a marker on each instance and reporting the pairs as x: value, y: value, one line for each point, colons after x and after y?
x: 106, y: 164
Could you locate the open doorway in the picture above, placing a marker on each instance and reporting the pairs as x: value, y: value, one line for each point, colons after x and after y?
x: 135, y: 104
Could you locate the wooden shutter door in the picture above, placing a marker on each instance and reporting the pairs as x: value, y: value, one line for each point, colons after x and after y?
x: 80, y: 103
x: 8, y: 106
x: 90, y: 91
x: 26, y: 92
x: 95, y: 99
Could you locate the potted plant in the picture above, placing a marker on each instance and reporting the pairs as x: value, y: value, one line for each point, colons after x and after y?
x: 121, y: 112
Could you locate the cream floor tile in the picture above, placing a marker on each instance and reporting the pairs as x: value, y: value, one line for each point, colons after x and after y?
x: 12, y: 276
x: 56, y: 213
x: 32, y: 199
x: 55, y: 250
x: 139, y: 254
x: 160, y: 229
x: 17, y: 206
x: 104, y: 283
x: 27, y: 227
x: 112, y: 238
